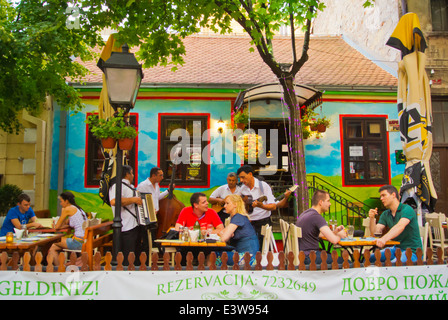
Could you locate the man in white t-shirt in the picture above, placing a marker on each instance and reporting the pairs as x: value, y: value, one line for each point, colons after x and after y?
x: 130, y: 230
x: 218, y: 196
x: 255, y: 189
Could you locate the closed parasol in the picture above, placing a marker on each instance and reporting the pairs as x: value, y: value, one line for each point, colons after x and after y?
x: 415, y: 114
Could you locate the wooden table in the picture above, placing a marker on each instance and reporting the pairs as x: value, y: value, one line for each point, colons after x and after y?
x: 30, y: 244
x: 222, y: 246
x: 356, y: 242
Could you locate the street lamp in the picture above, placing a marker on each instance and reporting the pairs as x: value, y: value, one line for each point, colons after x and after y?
x: 123, y: 78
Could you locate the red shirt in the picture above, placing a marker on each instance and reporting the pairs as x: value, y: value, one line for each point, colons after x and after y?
x: 188, y: 218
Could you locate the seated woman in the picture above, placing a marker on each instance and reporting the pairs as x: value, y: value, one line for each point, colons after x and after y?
x: 239, y: 233
x: 73, y: 216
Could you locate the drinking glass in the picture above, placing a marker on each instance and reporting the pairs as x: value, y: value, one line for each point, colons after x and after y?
x: 350, y: 231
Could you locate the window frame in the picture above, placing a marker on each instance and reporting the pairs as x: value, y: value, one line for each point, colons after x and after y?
x: 442, y: 20
x: 347, y: 181
x: 162, y: 150
x: 92, y: 143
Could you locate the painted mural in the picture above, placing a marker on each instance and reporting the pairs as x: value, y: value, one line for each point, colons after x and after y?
x: 323, y: 155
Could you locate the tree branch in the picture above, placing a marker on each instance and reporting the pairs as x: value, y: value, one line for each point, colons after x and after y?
x: 306, y: 44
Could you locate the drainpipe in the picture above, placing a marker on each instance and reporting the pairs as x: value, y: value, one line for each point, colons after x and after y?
x: 62, y: 144
x: 404, y: 7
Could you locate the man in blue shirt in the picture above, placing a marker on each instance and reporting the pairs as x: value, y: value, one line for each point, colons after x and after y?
x: 19, y: 215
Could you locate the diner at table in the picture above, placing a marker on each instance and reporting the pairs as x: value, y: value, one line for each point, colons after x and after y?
x: 314, y: 226
x: 21, y: 216
x: 71, y: 215
x: 239, y: 233
x: 402, y: 222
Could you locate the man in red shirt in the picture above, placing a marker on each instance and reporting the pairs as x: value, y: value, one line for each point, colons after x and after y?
x: 199, y: 211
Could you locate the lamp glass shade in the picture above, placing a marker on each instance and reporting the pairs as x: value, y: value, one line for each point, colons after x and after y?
x: 122, y: 85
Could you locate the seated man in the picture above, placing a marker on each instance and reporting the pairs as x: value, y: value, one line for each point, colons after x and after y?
x: 22, y: 214
x: 199, y: 211
x: 314, y: 225
x: 402, y: 221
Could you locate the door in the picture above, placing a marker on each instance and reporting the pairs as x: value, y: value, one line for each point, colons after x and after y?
x: 439, y: 175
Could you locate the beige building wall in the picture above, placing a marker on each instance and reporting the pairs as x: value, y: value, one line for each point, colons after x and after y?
x: 437, y: 51
x: 25, y: 158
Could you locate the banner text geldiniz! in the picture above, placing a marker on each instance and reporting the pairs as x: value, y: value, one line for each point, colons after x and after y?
x: 401, y: 283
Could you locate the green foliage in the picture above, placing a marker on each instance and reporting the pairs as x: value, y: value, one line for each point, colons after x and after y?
x: 8, y: 197
x: 114, y: 127
x: 324, y: 120
x: 241, y: 117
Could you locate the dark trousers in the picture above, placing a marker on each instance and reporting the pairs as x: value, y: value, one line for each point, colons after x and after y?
x: 258, y: 224
x: 131, y: 241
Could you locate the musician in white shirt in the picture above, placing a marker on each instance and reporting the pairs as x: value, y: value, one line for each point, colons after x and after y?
x: 255, y: 188
x: 151, y: 185
x: 217, y: 197
x: 130, y: 230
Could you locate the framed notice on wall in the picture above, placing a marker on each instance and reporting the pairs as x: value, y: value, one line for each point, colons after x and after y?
x: 393, y: 125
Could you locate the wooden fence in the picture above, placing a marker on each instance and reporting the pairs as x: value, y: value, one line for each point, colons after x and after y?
x: 104, y: 263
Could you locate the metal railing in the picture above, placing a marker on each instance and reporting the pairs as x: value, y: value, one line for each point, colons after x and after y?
x: 345, y: 208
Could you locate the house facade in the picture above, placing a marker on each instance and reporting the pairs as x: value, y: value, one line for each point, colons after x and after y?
x: 358, y: 152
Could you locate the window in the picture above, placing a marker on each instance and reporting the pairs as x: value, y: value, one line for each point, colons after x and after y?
x: 365, y: 152
x: 439, y: 14
x: 186, y: 133
x: 440, y: 121
x: 95, y: 157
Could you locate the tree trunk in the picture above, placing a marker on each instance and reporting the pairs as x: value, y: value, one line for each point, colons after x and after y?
x: 297, y: 154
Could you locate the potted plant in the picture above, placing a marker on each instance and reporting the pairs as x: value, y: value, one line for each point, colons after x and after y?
x: 126, y: 135
x: 104, y: 130
x: 240, y: 119
x: 322, y: 124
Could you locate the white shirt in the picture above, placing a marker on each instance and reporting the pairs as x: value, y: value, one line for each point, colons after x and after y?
x: 147, y: 187
x: 223, y: 191
x: 128, y: 221
x: 256, y: 193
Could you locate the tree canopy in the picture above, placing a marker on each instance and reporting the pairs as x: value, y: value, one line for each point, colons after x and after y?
x: 40, y: 39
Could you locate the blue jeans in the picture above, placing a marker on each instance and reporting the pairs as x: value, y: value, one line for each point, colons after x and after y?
x: 392, y: 256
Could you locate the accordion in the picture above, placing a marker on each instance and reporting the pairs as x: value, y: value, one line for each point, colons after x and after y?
x: 146, y: 215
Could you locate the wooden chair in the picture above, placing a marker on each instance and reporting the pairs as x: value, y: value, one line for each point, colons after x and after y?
x: 284, y: 229
x: 268, y: 245
x: 424, y: 234
x: 293, y: 238
x: 436, y: 232
x: 266, y: 231
x: 366, y: 225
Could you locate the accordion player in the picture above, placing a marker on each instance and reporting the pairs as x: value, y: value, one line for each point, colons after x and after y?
x: 146, y: 215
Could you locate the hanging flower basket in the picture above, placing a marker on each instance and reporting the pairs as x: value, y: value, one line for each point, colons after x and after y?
x: 108, y: 143
x: 249, y: 146
x: 126, y: 143
x: 321, y: 128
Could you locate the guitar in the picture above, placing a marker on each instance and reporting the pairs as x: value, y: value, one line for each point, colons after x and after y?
x: 217, y: 207
x: 249, y: 200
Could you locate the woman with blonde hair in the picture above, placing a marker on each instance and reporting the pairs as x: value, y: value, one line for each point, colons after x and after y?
x: 239, y: 233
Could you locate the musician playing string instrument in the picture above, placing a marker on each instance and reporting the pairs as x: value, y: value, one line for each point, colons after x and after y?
x: 131, y: 233
x: 218, y: 196
x: 255, y: 189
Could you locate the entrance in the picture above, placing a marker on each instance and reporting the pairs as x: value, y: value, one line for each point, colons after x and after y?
x: 278, y: 175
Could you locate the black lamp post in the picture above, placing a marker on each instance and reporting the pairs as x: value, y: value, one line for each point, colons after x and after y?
x: 123, y: 78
